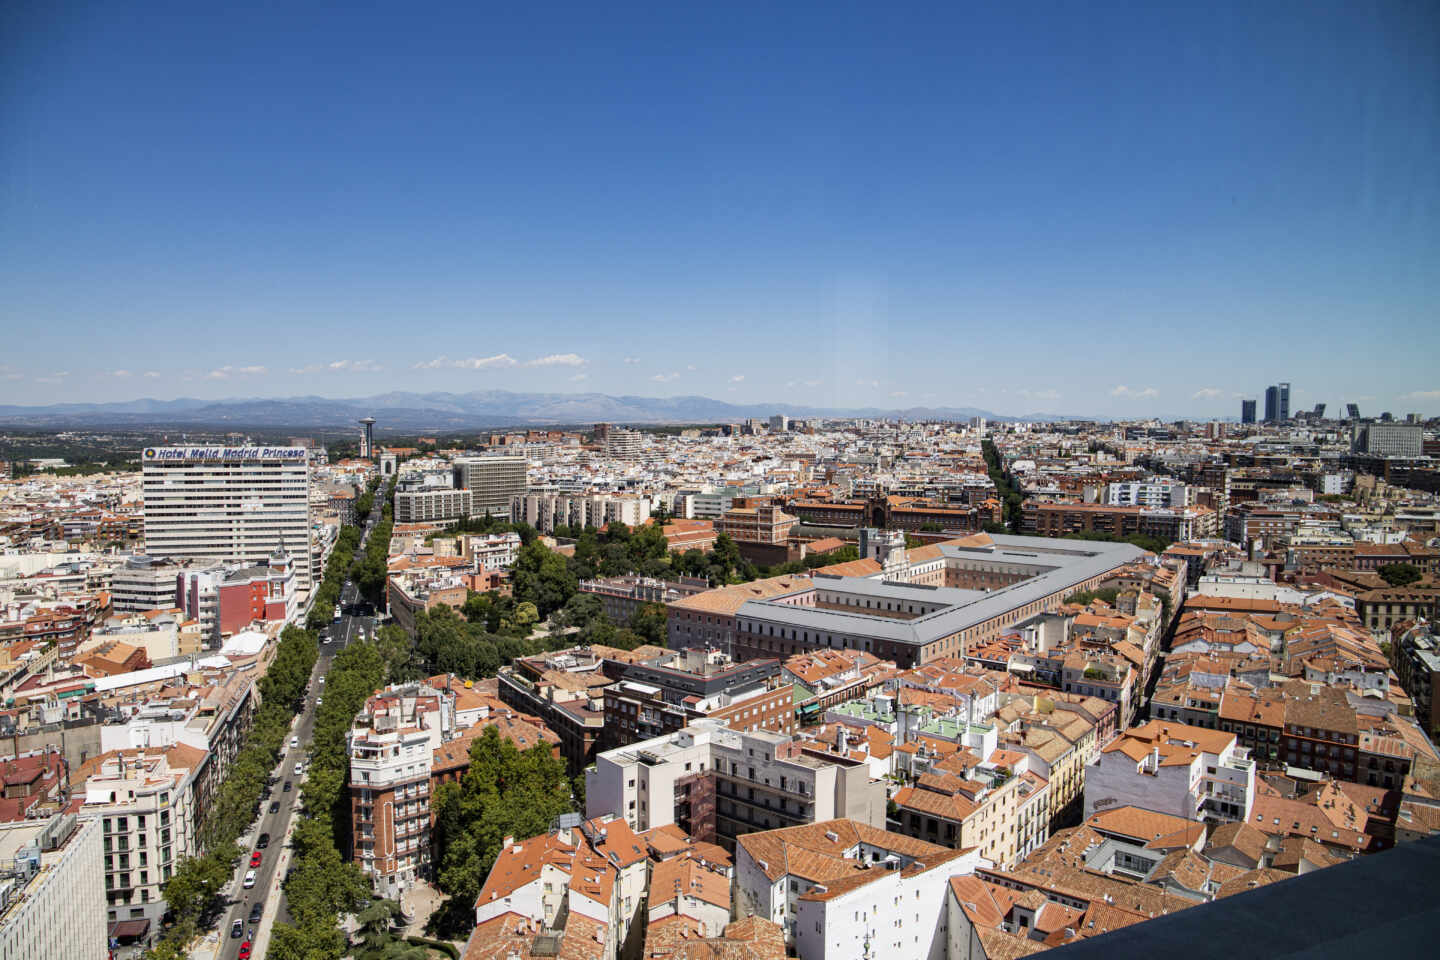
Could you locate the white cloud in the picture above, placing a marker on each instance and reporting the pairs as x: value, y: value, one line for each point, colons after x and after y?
x: 120, y: 373
x: 557, y: 360
x: 1139, y: 393
x: 152, y: 374
x: 1420, y: 395
x: 55, y: 377
x: 898, y: 393
x: 632, y: 360
x: 690, y: 366
x: 665, y: 377
x: 738, y: 378
x: 1207, y: 393
x: 485, y: 363
x: 436, y: 364
x: 580, y: 378
x: 229, y: 370
x: 873, y: 384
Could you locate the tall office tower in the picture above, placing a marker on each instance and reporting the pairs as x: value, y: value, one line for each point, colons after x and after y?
x: 602, y: 434
x: 1272, y: 404
x: 1319, y: 412
x: 1352, y: 410
x: 779, y: 423
x: 492, y: 481
x: 367, y: 438
x: 228, y: 503
x: 1284, y: 401
x: 1247, y: 411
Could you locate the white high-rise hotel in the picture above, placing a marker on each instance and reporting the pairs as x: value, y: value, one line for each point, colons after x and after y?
x: 228, y: 503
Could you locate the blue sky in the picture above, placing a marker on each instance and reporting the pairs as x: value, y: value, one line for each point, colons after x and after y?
x: 1093, y: 208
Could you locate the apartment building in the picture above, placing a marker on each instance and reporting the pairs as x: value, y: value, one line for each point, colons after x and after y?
x: 391, y: 746
x: 1003, y: 814
x: 717, y: 784
x: 52, y: 897
x: 145, y: 802
x: 763, y: 523
x: 419, y: 506
x: 662, y: 694
x: 493, y: 482
x: 1172, y: 768
x: 238, y: 504
x: 842, y: 888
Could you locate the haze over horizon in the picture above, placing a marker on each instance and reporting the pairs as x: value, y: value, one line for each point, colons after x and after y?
x: 1115, y: 210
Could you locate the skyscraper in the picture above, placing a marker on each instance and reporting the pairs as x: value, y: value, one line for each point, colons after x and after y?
x: 1247, y: 411
x: 228, y: 503
x: 1284, y: 401
x: 1352, y: 410
x: 1272, y: 404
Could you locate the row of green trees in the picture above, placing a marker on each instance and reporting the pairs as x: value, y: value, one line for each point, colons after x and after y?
x: 192, y: 891
x: 322, y: 884
x: 371, y: 570
x: 1009, y: 496
x: 337, y: 568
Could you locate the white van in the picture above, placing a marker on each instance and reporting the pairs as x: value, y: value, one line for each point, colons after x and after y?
x: 249, y: 879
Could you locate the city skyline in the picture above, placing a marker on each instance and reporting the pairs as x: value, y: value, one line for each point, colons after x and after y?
x: 1113, y: 212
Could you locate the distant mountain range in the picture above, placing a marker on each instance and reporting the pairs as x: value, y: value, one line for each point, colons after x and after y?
x: 441, y: 412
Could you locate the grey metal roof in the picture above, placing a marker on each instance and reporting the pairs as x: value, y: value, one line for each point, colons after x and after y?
x: 1066, y: 563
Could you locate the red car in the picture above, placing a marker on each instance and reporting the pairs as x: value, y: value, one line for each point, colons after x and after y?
x: 255, y: 858
x: 245, y: 950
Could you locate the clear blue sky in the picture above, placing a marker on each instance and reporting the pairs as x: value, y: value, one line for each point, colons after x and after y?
x: 1072, y: 207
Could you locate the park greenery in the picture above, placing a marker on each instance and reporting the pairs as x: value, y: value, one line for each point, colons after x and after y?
x: 193, y: 890
x: 505, y: 792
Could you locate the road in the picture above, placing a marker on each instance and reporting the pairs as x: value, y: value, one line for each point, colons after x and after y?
x: 354, y: 618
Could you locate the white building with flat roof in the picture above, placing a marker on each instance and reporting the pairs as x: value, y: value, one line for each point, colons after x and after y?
x: 228, y: 503
x: 52, y: 892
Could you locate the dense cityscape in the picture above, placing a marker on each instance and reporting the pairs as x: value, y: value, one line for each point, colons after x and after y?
x: 744, y: 481
x: 618, y: 691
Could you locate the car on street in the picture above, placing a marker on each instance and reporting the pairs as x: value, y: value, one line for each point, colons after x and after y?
x: 255, y: 858
x: 237, y: 930
x: 245, y: 950
x: 249, y: 879
x: 294, y: 742
x: 286, y: 788
x: 264, y: 841
x: 274, y: 806
x: 255, y: 912
x: 298, y: 769
x: 319, y: 701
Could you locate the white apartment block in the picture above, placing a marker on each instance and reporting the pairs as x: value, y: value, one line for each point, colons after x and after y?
x: 841, y: 889
x: 492, y: 481
x: 228, y: 503
x: 1173, y: 768
x: 761, y: 780
x: 146, y: 810
x: 52, y: 899
x: 493, y: 551
x: 1150, y: 493
x: 419, y: 506
x: 546, y: 511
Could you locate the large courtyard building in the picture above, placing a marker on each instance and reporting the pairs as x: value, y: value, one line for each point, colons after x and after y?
x: 990, y: 583
x: 228, y: 503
